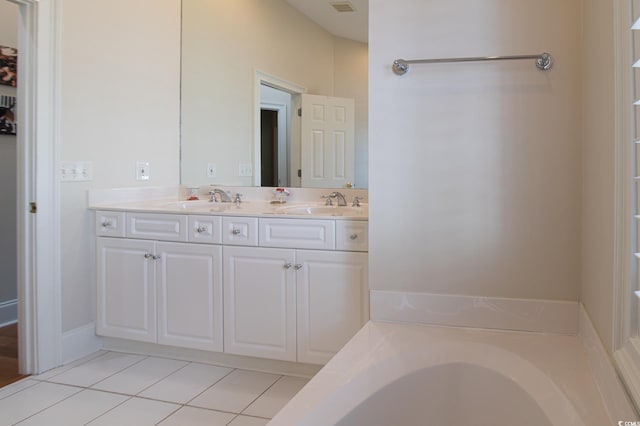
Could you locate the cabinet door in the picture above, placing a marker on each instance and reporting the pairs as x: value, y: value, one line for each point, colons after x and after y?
x: 189, y: 280
x: 259, y: 302
x: 332, y: 301
x: 126, y: 289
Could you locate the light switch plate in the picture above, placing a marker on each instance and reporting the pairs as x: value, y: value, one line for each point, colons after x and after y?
x: 142, y: 170
x: 211, y: 170
x: 76, y: 171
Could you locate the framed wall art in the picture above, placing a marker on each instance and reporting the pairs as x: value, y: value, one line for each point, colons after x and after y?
x: 8, y: 66
x: 8, y: 125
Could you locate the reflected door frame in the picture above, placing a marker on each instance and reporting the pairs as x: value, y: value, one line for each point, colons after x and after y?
x: 295, y: 90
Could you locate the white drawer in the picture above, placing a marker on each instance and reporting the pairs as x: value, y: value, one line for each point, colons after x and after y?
x: 298, y: 233
x: 205, y: 229
x: 152, y: 226
x: 110, y: 224
x: 240, y: 231
x: 352, y: 235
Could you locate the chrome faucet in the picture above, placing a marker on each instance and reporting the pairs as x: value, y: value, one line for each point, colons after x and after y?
x: 340, y: 197
x: 224, y: 197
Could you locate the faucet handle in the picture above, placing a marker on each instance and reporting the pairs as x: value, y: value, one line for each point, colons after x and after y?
x: 328, y: 197
x: 238, y: 199
x: 356, y: 201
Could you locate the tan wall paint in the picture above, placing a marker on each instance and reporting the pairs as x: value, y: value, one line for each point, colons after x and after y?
x: 475, y: 168
x: 598, y: 163
x: 120, y: 70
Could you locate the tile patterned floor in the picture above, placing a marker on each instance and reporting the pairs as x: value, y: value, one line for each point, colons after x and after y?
x: 116, y: 389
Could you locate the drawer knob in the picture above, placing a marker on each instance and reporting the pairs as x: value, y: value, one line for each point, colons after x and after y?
x: 297, y: 267
x: 107, y: 224
x: 353, y: 237
x: 236, y: 231
x: 287, y: 265
x: 200, y: 229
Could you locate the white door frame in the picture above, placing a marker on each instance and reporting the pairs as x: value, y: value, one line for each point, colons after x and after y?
x: 260, y: 78
x: 39, y: 279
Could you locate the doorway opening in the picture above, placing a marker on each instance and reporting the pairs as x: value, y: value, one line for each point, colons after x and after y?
x: 9, y: 358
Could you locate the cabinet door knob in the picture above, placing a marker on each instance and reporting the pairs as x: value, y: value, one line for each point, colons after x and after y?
x: 156, y: 256
x: 200, y: 229
x: 148, y: 255
x: 236, y: 231
x: 353, y: 237
x: 287, y: 265
x: 297, y: 267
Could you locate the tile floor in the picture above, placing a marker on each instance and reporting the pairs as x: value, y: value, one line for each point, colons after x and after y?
x: 117, y: 389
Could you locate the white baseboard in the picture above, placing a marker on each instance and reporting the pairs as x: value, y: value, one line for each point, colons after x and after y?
x: 8, y: 312
x: 616, y: 400
x: 79, y: 342
x: 547, y: 316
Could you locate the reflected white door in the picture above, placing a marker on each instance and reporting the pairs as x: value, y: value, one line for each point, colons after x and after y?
x: 327, y: 141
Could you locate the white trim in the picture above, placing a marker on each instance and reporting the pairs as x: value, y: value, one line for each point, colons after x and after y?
x: 8, y: 312
x: 261, y: 77
x: 38, y: 234
x: 548, y: 316
x: 80, y: 342
x: 615, y: 398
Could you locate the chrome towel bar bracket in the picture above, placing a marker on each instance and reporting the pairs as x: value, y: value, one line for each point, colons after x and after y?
x: 544, y: 61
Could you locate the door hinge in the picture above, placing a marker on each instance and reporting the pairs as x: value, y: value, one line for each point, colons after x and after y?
x: 299, y: 112
x: 33, y: 208
x: 299, y: 172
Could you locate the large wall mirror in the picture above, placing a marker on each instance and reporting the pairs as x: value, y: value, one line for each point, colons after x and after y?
x: 254, y: 72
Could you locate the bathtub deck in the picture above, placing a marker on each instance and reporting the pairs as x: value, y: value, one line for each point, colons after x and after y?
x: 557, y: 360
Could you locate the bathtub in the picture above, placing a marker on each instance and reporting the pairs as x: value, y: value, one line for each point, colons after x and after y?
x: 396, y: 374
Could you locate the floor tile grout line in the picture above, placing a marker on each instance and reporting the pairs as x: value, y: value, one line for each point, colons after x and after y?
x: 164, y: 377
x: 263, y: 392
x: 69, y: 366
x: 49, y: 406
x: 20, y: 390
x: 169, y: 415
x: 210, y: 386
x: 109, y: 410
x: 144, y: 357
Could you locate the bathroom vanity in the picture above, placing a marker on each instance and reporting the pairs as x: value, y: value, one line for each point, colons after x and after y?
x: 286, y: 283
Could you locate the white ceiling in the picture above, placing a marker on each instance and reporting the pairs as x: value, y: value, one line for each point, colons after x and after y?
x: 352, y: 25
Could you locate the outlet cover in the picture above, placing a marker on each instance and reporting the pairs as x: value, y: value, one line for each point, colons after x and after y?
x: 142, y: 170
x: 211, y: 170
x: 245, y: 169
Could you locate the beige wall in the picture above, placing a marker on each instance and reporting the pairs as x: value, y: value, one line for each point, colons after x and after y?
x: 598, y: 166
x: 120, y: 70
x: 475, y: 168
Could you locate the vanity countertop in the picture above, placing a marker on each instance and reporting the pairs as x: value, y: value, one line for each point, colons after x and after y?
x: 304, y: 210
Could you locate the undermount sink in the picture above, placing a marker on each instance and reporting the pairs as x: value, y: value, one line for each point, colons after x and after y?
x: 315, y: 210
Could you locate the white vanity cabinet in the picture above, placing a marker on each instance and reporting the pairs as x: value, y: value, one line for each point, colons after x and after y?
x: 126, y: 289
x: 290, y: 303
x: 259, y: 302
x: 160, y: 292
x: 289, y: 289
x: 332, y: 299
